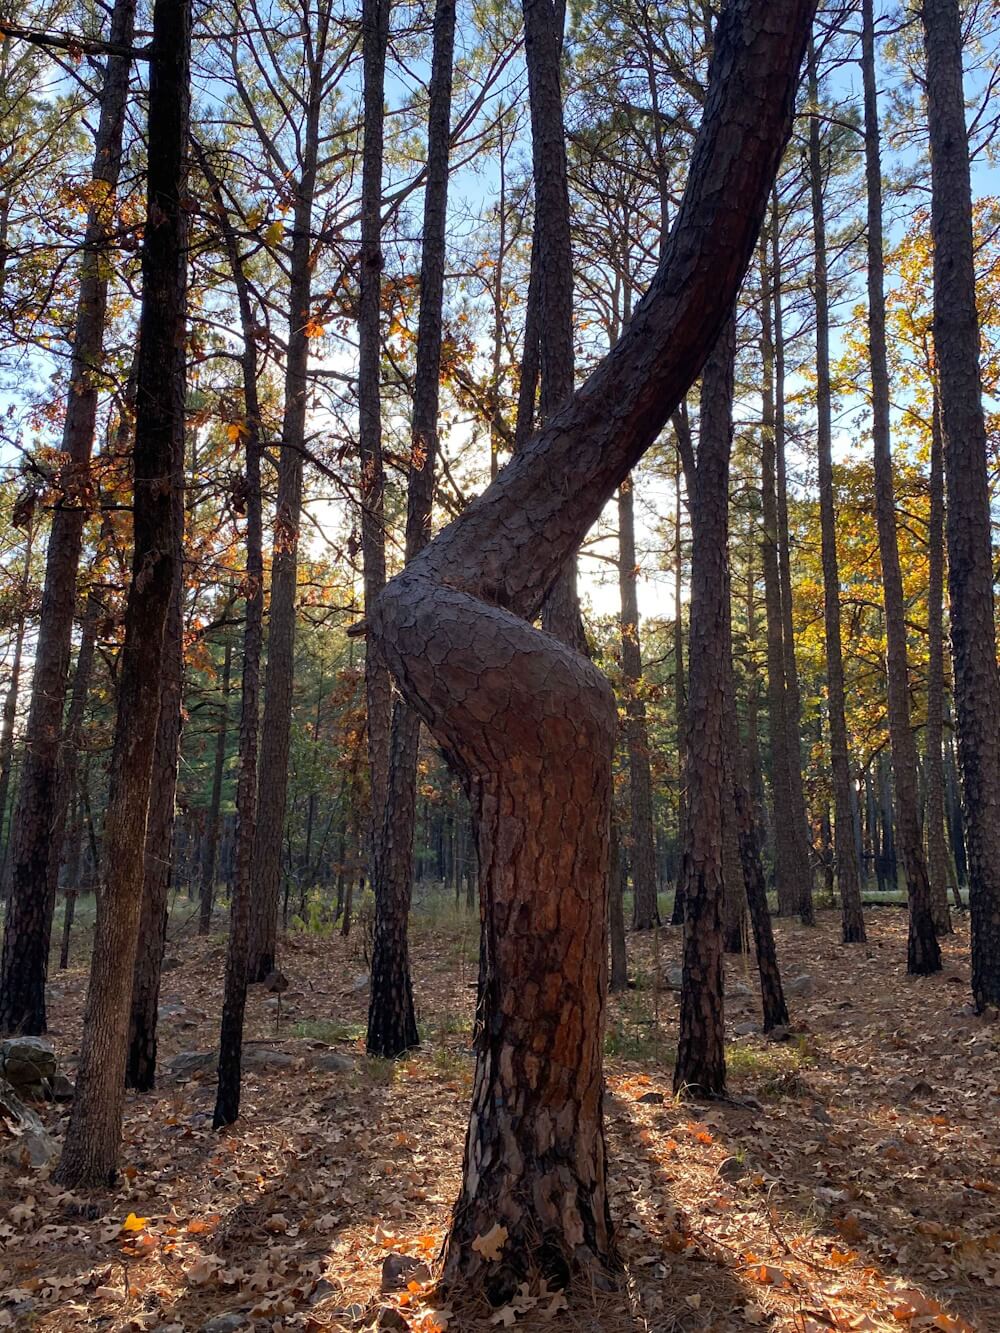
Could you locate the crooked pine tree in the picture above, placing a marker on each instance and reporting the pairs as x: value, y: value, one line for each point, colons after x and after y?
x: 529, y: 723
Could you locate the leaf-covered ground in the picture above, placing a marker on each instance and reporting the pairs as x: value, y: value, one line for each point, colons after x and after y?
x: 853, y: 1182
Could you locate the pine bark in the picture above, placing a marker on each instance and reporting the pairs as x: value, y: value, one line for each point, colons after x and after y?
x: 701, y: 1061
x: 645, y: 907
x: 140, y: 1069
x: 799, y: 820
x: 531, y: 724
x: 279, y: 680
x: 392, y: 1025
x: 24, y: 963
x: 937, y: 847
x: 209, y: 868
x: 11, y: 697
x: 786, y: 866
x: 923, y: 954
x: 90, y: 1151
x: 970, y: 562
x: 848, y: 880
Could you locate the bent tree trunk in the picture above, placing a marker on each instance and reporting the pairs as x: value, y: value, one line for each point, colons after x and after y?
x: 29, y: 914
x: 529, y: 724
x: 970, y: 557
x: 90, y: 1153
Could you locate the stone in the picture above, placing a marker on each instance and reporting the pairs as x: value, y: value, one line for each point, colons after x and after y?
x: 225, y: 1323
x: 332, y: 1062
x: 802, y: 985
x: 732, y: 1169
x: 361, y: 983
x: 262, y: 1058
x: 674, y: 977
x: 780, y: 1032
x: 390, y: 1317
x: 651, y: 1099
x: 399, y: 1270
x: 171, y: 964
x: 28, y: 1142
x: 61, y: 1089
x: 745, y: 1029
x: 186, y: 1064
x: 738, y: 991
x: 25, y: 1061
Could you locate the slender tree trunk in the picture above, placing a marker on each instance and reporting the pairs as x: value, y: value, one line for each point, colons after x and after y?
x: 279, y: 681
x: 378, y: 688
x: 543, y: 40
x: 970, y: 563
x: 140, y: 1069
x: 10, y: 699
x: 215, y: 803
x: 799, y: 819
x: 680, y: 700
x: 923, y: 954
x: 701, y: 1061
x: 618, y: 981
x: 848, y: 881
x: 645, y: 908
x: 24, y: 963
x: 90, y: 1151
x: 937, y: 847
x: 392, y: 1025
x: 532, y: 730
x: 786, y: 864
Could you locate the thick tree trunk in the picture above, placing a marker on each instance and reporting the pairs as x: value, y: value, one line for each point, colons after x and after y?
x: 210, y: 865
x: 90, y: 1151
x: 923, y: 954
x: 140, y: 1070
x: 970, y: 565
x: 24, y: 962
x: 937, y: 847
x: 645, y: 908
x: 848, y: 881
x: 531, y: 724
x: 734, y: 899
x: 392, y: 1025
x: 701, y: 1061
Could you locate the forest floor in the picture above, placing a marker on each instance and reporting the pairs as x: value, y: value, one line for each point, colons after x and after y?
x: 853, y: 1182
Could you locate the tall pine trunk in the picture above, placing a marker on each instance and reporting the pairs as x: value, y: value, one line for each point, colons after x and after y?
x: 923, y: 954
x: 140, y: 1070
x: 701, y: 1061
x: 24, y: 963
x: 392, y: 1025
x: 13, y: 691
x: 645, y: 908
x: 937, y: 847
x: 848, y: 880
x: 279, y: 681
x: 970, y: 557
x: 208, y: 871
x: 90, y: 1151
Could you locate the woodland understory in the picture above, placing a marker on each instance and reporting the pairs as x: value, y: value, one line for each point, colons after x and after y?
x: 498, y: 646
x: 851, y: 1181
